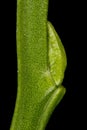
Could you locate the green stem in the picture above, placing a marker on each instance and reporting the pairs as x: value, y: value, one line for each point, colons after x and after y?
x: 37, y: 94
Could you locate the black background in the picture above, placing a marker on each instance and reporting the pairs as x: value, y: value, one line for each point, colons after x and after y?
x: 68, y: 18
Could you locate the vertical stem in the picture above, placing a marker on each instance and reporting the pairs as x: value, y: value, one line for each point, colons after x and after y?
x: 31, y: 57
